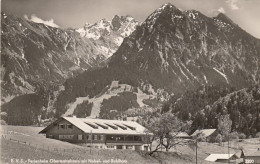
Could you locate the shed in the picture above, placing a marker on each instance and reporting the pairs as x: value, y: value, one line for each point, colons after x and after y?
x: 222, y: 158
x: 251, y: 156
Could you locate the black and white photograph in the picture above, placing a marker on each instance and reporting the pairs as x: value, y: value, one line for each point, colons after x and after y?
x: 130, y: 82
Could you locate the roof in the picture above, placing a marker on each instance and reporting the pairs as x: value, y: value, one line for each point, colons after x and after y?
x: 181, y: 134
x: 251, y: 152
x: 205, y: 132
x: 215, y: 157
x: 102, y: 126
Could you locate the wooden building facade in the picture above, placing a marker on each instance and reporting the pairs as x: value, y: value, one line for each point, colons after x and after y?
x: 99, y: 133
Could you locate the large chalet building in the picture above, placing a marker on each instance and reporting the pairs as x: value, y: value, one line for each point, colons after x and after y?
x: 99, y: 133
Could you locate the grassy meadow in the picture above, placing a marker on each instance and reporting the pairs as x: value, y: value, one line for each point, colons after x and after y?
x: 36, y: 146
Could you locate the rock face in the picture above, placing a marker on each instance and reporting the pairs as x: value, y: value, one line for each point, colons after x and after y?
x: 108, y: 35
x: 36, y: 59
x: 35, y: 55
x: 171, y: 52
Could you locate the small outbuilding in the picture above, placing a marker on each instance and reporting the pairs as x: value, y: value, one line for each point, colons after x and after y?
x: 208, y: 134
x: 223, y: 158
x: 251, y: 156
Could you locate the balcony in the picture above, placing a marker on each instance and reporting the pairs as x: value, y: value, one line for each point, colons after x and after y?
x: 123, y: 141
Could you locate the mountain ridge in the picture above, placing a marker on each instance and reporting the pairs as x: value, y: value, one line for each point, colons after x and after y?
x: 171, y: 52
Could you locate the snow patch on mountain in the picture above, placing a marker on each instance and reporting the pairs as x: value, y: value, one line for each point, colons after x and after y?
x: 109, y: 35
x: 222, y: 74
x: 114, y: 89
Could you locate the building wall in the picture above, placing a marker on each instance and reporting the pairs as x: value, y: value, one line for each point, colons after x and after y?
x: 72, y: 135
x: 212, y: 137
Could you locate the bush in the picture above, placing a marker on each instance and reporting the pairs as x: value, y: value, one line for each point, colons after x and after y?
x: 219, y: 139
x: 242, y: 136
x: 233, y: 135
x: 257, y: 135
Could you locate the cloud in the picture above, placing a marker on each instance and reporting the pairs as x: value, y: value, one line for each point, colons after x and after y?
x: 217, y: 11
x: 232, y: 4
x: 36, y: 19
x: 221, y: 10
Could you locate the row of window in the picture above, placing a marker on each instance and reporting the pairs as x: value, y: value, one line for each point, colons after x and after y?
x: 95, y: 137
x: 124, y: 138
x: 65, y: 126
x: 66, y: 137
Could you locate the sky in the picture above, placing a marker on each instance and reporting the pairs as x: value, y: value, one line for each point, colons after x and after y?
x: 75, y: 13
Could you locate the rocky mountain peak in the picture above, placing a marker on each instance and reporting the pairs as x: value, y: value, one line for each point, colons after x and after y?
x: 165, y: 11
x: 225, y: 19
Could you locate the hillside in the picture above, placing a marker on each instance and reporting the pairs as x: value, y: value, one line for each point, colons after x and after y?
x: 205, y: 105
x: 36, y: 59
x: 170, y: 53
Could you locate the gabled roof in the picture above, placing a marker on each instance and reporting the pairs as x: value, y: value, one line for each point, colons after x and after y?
x: 251, y: 152
x: 215, y: 157
x: 181, y: 134
x: 102, y: 126
x: 205, y: 132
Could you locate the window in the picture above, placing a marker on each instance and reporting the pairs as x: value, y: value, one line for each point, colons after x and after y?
x: 102, y: 126
x: 129, y: 147
x: 137, y: 138
x: 69, y: 126
x: 101, y: 137
x: 120, y: 126
x: 110, y: 137
x: 92, y: 125
x: 129, y: 138
x: 119, y: 138
x: 64, y: 137
x: 80, y: 137
x: 89, y: 137
x: 95, y: 137
x: 112, y: 126
x: 110, y: 147
x: 62, y: 126
x: 130, y: 127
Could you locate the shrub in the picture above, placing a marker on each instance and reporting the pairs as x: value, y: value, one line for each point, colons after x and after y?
x: 233, y: 135
x: 219, y: 139
x: 241, y: 136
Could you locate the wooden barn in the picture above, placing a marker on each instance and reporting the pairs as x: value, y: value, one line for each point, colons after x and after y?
x: 99, y: 133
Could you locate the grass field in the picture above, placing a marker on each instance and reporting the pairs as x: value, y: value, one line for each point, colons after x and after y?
x: 35, y: 146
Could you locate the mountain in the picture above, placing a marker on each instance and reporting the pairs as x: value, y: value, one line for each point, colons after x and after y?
x: 171, y: 52
x: 108, y: 35
x: 35, y: 55
x: 36, y: 59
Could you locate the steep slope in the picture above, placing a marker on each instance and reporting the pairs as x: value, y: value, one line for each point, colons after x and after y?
x: 171, y: 52
x: 36, y: 59
x: 35, y: 55
x: 108, y: 35
x: 205, y: 106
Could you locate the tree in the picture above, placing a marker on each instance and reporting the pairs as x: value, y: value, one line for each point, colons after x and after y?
x: 165, y: 129
x: 224, y: 125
